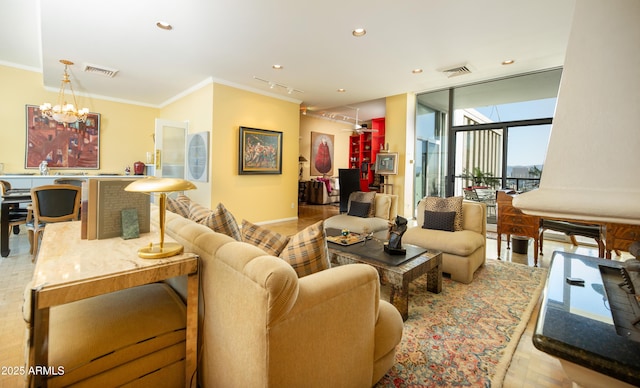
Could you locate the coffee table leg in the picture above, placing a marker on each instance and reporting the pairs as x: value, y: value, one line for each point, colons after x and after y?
x: 400, y: 299
x: 434, y: 280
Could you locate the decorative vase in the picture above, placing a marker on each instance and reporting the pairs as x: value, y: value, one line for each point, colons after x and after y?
x: 138, y: 168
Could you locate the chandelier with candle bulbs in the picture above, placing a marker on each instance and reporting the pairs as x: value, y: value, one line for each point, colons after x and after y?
x: 64, y: 112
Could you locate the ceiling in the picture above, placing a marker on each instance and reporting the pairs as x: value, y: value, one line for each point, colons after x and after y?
x: 237, y: 42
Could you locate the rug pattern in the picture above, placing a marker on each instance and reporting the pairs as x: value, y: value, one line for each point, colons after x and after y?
x: 467, y: 334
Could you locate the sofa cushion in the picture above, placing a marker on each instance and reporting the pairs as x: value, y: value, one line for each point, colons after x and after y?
x: 438, y: 204
x: 307, y: 250
x: 383, y: 206
x: 460, y: 243
x: 359, y: 209
x: 439, y: 220
x: 179, y: 205
x: 219, y: 220
x: 271, y: 242
x: 365, y: 197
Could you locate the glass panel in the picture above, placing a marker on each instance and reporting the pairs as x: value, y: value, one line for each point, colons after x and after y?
x: 430, y: 153
x: 527, y: 147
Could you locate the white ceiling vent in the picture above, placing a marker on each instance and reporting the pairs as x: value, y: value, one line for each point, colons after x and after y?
x: 100, y: 70
x: 456, y: 71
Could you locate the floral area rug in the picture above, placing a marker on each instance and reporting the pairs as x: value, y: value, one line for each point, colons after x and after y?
x: 467, y: 334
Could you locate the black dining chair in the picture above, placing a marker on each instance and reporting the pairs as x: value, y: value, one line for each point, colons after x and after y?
x: 51, y: 203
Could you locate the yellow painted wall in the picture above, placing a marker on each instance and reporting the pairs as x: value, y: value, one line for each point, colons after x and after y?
x: 398, y: 122
x: 197, y: 109
x: 125, y: 130
x: 310, y: 124
x: 256, y: 198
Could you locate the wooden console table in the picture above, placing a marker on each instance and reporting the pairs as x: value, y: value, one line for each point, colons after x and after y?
x: 512, y: 220
x: 69, y: 269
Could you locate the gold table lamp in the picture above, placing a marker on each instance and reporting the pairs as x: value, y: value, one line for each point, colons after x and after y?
x: 162, y: 186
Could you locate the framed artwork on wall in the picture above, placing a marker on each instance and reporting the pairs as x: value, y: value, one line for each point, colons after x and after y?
x: 198, y: 157
x: 387, y: 163
x: 321, y: 154
x: 260, y: 151
x: 74, y: 146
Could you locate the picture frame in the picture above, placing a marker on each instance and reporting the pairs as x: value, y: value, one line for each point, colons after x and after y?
x: 387, y: 163
x: 322, y: 158
x: 72, y: 146
x: 260, y: 151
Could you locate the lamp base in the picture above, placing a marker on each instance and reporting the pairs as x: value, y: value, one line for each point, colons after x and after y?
x: 155, y: 252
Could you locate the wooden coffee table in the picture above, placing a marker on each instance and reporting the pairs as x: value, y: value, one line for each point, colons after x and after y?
x: 397, y: 277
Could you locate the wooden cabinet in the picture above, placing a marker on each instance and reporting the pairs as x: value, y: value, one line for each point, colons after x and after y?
x: 513, y: 221
x: 363, y: 149
x: 620, y: 236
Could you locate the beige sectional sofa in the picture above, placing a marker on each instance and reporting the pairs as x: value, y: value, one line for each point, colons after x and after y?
x: 463, y: 252
x: 386, y: 210
x: 260, y: 325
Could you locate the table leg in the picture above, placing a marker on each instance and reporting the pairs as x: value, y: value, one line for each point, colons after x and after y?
x: 400, y: 299
x: 39, y: 349
x: 434, y: 279
x: 191, y: 364
x: 4, y: 230
x: 499, y: 244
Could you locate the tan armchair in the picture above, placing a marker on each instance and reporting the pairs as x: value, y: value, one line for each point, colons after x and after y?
x: 464, y: 251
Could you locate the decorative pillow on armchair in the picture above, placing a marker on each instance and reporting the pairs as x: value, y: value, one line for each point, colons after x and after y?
x: 439, y: 220
x: 219, y: 220
x: 271, y: 242
x: 364, y: 197
x: 307, y: 250
x: 359, y: 209
x: 438, y: 204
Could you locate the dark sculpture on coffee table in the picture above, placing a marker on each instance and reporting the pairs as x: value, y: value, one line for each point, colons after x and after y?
x: 394, y: 246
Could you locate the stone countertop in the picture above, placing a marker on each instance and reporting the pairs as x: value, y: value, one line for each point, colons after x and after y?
x: 576, y: 323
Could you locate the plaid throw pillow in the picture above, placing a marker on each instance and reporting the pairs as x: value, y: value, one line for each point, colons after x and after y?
x: 307, y: 250
x: 364, y: 197
x: 179, y: 205
x: 450, y: 204
x: 219, y: 220
x: 271, y: 242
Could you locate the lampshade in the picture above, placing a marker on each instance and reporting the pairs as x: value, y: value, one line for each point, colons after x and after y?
x: 162, y: 186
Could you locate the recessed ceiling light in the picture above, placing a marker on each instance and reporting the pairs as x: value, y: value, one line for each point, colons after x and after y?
x: 508, y: 62
x: 341, y: 90
x: 277, y: 67
x: 359, y: 32
x: 416, y: 71
x: 164, y: 25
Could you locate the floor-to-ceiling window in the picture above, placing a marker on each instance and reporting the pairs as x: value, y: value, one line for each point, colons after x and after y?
x: 495, y: 138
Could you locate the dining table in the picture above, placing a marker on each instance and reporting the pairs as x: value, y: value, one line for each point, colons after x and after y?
x: 10, y: 198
